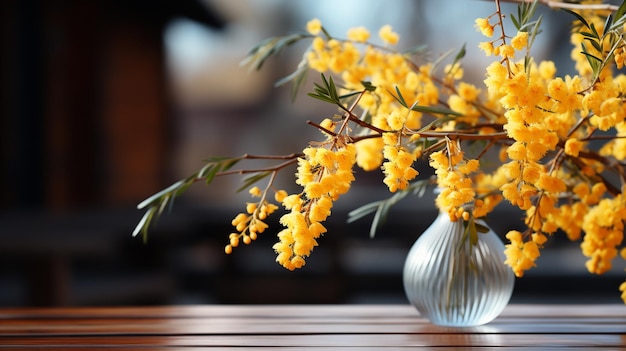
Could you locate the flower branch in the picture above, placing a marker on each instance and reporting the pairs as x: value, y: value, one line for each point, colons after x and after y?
x: 396, y: 113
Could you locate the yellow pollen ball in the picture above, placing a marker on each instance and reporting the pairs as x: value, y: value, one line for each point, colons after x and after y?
x: 314, y: 26
x: 387, y: 35
x: 358, y: 34
x: 255, y: 191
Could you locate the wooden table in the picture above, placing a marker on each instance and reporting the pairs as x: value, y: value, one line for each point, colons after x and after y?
x: 290, y: 327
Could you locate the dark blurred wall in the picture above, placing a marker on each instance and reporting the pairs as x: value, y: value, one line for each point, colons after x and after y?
x: 85, y: 126
x: 84, y: 100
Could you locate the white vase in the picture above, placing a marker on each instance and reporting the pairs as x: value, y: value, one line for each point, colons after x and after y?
x: 453, y: 282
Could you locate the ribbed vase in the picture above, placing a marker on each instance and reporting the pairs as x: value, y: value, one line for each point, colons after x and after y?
x: 454, y: 283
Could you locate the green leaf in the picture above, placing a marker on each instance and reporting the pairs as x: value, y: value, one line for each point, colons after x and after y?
x: 184, y: 187
x: 593, y: 60
x: 535, y: 31
x: 350, y: 94
x: 588, y: 35
x: 298, y: 77
x: 579, y: 17
x: 400, y: 98
x: 424, y: 109
x: 164, y: 202
x: 379, y: 218
x: 213, y: 167
x: 608, y: 23
x: 326, y: 92
x: 594, y: 30
x: 620, y: 18
x: 332, y: 90
x: 211, y: 173
x: 516, y: 23
x: 441, y: 58
x: 459, y: 56
x: 229, y: 163
x: 473, y: 235
x: 621, y: 11
x: 416, y: 50
x: 321, y: 97
x: 381, y: 208
x: 271, y: 46
x: 247, y: 182
x: 596, y: 45
x: 436, y: 110
x: 368, y: 86
x: 470, y: 232
x: 155, y: 197
x: 144, y: 223
x: 482, y: 228
x: 363, y: 211
x: 436, y: 122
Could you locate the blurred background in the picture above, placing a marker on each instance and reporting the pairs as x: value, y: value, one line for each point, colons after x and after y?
x: 105, y: 102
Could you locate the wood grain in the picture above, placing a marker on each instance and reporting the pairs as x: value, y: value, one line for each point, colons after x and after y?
x: 296, y: 326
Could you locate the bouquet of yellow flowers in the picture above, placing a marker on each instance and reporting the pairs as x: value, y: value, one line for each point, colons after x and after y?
x: 553, y: 146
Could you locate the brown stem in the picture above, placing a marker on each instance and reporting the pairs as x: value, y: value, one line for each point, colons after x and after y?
x: 566, y: 5
x: 259, y: 170
x: 270, y: 157
x: 465, y: 136
x: 321, y: 128
x: 502, y: 35
x: 358, y: 121
x: 491, y: 143
x: 610, y: 187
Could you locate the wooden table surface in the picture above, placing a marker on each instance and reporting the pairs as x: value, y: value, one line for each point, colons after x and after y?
x: 290, y: 327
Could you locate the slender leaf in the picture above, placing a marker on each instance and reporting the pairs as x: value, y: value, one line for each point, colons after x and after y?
x: 460, y: 55
x: 184, y: 187
x: 482, y: 228
x: 440, y: 59
x: 271, y: 46
x: 621, y: 11
x: 620, y: 17
x: 379, y: 218
x: 253, y: 179
x: 164, y: 202
x: 535, y: 31
x: 298, y: 77
x: 578, y: 16
x: 416, y: 50
x: 332, y: 90
x: 588, y: 35
x: 399, y: 97
x: 594, y: 30
x: 473, y: 234
x: 590, y: 57
x: 436, y: 110
x: 142, y: 226
x: 211, y: 173
x: 381, y: 208
x: 436, y: 122
x: 203, y: 171
x: 608, y: 23
x: 368, y: 86
x: 516, y: 23
x: 350, y: 94
x: 363, y: 211
x: 156, y: 196
x: 320, y: 97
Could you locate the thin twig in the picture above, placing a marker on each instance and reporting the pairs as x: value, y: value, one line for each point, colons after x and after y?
x: 464, y: 136
x: 568, y: 5
x: 259, y: 170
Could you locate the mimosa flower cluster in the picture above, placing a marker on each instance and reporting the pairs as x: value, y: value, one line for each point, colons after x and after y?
x: 552, y: 145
